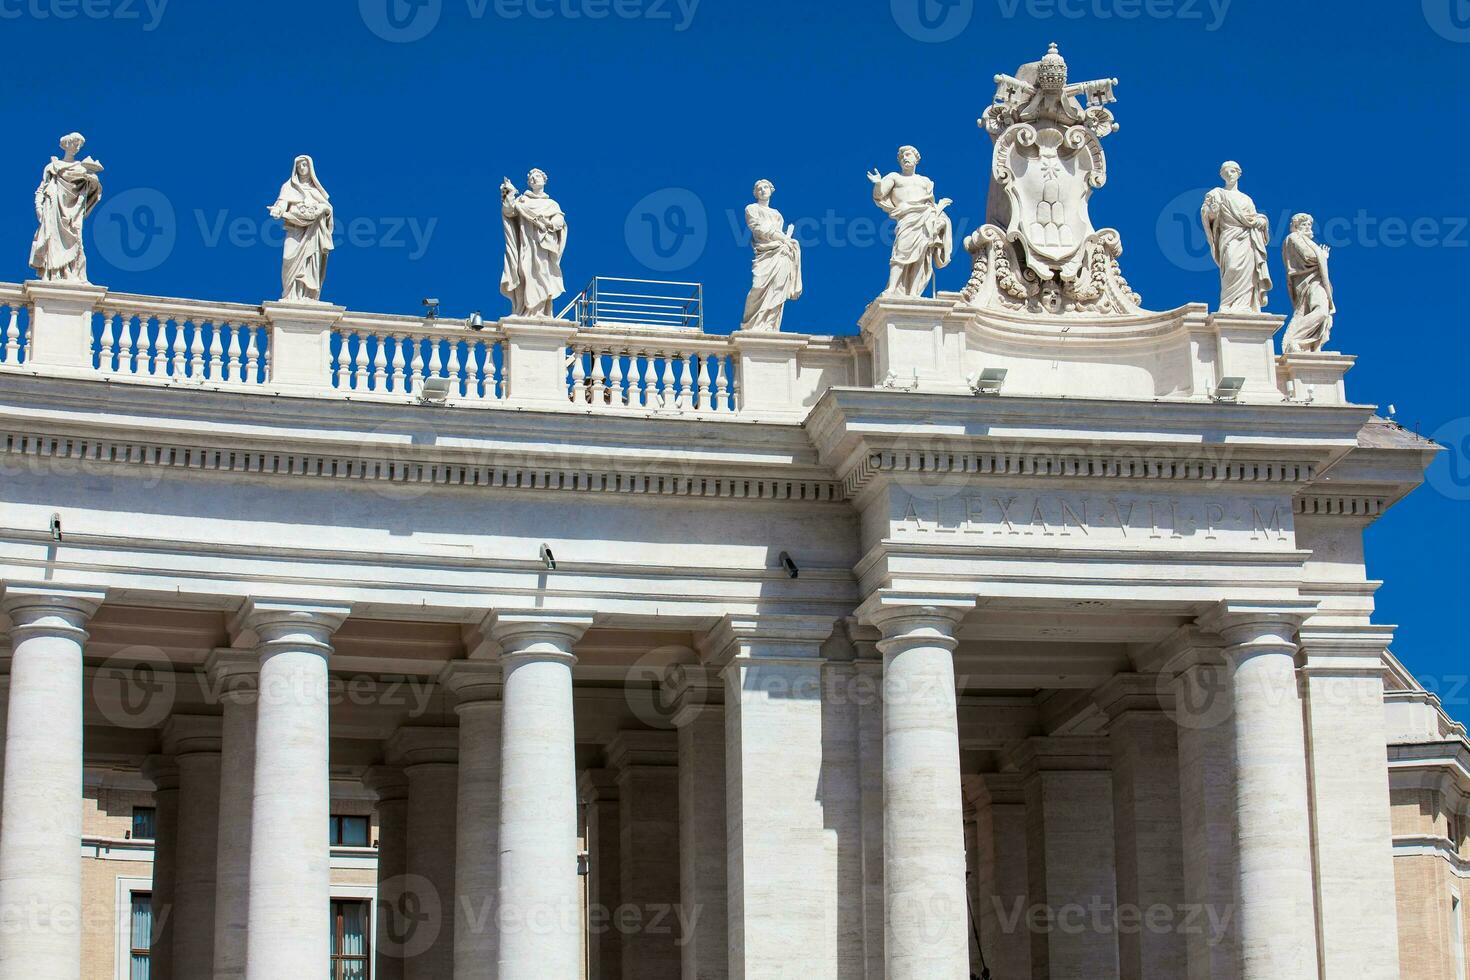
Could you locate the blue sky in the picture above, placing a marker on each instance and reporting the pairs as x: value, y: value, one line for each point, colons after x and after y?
x: 653, y: 119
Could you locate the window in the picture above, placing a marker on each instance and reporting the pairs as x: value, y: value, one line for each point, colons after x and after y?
x: 349, y: 940
x: 140, y: 931
x: 145, y: 820
x: 349, y: 831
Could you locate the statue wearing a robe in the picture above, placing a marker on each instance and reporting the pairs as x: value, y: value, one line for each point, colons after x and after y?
x: 69, y: 190
x: 1311, y: 289
x: 924, y: 238
x: 776, y: 268
x: 535, y: 240
x: 304, y: 209
x: 1238, y: 235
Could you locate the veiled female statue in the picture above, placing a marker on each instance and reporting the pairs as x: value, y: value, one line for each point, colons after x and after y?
x: 776, y: 268
x: 535, y: 239
x: 1238, y: 235
x: 69, y: 190
x: 1311, y: 289
x: 304, y: 209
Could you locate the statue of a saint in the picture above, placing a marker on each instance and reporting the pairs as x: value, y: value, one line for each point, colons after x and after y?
x: 69, y: 190
x: 776, y: 269
x: 535, y: 239
x: 1238, y: 235
x: 303, y: 207
x: 1310, y: 287
x: 925, y: 238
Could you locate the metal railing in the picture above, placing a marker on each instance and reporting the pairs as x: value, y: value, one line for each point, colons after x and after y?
x: 612, y: 302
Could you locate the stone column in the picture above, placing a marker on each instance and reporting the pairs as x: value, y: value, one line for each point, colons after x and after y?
x: 647, y: 764
x: 429, y: 757
x: 194, y: 743
x: 923, y: 823
x: 1147, y: 828
x: 1001, y: 874
x: 164, y: 774
x: 869, y: 666
x: 1275, y: 915
x: 1070, y: 857
x: 40, y: 872
x: 781, y: 860
x: 599, y: 794
x: 290, y: 880
x: 392, y: 914
x: 540, y: 892
x: 842, y: 800
x: 234, y: 674
x: 1343, y: 669
x: 699, y: 714
x: 1204, y: 713
x: 476, y: 685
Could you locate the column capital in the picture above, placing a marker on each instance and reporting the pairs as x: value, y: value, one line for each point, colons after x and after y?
x: 191, y: 735
x: 389, y: 783
x: 1186, y: 649
x: 233, y: 674
x: 898, y: 614
x: 1252, y: 623
x: 49, y: 610
x: 769, y: 638
x: 537, y: 634
x: 597, y: 786
x: 162, y: 772
x: 1044, y: 753
x: 689, y: 689
x: 262, y: 622
x: 1344, y: 651
x: 474, y: 683
x: 1004, y: 788
x: 635, y: 749
x: 422, y: 745
x: 1124, y: 694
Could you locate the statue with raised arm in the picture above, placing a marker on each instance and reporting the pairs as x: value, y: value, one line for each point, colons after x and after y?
x: 1238, y: 235
x: 69, y: 190
x: 535, y: 240
x: 776, y: 268
x: 1310, y: 287
x: 924, y: 238
x: 305, y: 210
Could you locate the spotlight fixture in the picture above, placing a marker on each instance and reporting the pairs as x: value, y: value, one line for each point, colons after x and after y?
x: 988, y: 382
x: 1228, y: 390
x: 55, y: 527
x: 431, y: 308
x: 548, y: 559
x: 789, y: 565
x: 434, y: 391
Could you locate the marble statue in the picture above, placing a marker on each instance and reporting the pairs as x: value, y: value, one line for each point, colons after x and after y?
x: 924, y: 238
x: 69, y: 190
x: 303, y: 206
x: 535, y: 240
x: 1038, y: 251
x: 1310, y: 287
x: 1238, y: 235
x: 776, y: 268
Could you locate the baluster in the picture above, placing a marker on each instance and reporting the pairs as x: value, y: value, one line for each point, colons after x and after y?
x: 735, y: 384
x: 457, y: 356
x: 413, y: 362
x: 12, y: 336
x: 436, y: 359
x: 257, y: 354
x: 378, y: 379
x: 498, y: 370
x: 175, y: 348
x: 195, y: 364
x: 482, y: 365
x: 643, y: 361
x: 615, y: 383
x: 215, y: 365
x: 107, y: 347
x: 717, y: 379
x: 151, y: 329
x: 660, y: 366
x: 230, y: 367
x: 579, y: 375
x: 398, y: 366
x: 599, y: 379
x: 682, y: 382
x: 350, y: 354
x: 704, y: 382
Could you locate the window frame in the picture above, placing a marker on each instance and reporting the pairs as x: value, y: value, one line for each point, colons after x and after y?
x: 336, y: 826
x: 336, y: 959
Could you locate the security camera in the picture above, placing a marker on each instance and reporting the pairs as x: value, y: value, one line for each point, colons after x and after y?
x: 548, y: 559
x: 789, y: 565
x: 431, y: 307
x: 55, y: 527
